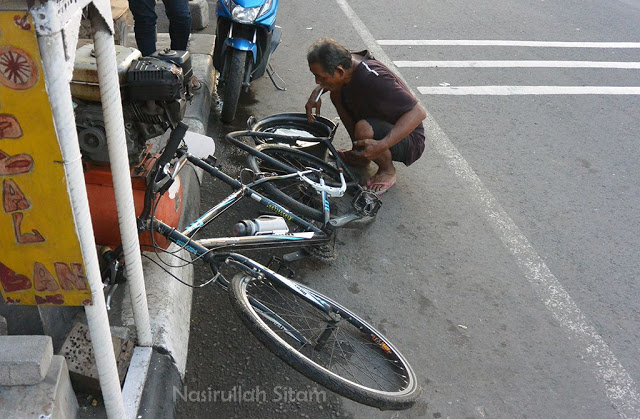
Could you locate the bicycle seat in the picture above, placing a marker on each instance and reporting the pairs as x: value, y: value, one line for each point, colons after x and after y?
x: 199, y: 145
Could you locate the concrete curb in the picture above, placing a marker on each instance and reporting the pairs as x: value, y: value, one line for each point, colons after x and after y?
x: 156, y: 372
x: 159, y: 396
x: 134, y: 385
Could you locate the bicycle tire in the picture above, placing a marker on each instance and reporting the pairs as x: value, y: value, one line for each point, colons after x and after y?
x: 298, y: 196
x: 371, y: 353
x: 233, y: 85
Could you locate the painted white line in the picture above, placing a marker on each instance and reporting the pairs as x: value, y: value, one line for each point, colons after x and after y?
x: 618, y: 384
x: 529, y: 90
x: 489, y: 42
x: 136, y: 379
x: 520, y: 64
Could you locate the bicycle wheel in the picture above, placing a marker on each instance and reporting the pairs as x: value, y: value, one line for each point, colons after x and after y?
x: 355, y: 360
x: 298, y: 196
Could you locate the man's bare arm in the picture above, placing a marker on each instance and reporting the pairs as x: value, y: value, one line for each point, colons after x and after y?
x: 314, y: 102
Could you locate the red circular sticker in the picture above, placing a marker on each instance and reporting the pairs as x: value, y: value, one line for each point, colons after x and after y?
x: 17, y: 69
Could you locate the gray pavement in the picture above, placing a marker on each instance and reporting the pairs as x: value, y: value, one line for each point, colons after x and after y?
x: 503, y: 263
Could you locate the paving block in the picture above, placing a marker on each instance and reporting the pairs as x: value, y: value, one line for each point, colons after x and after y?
x: 199, y: 14
x: 24, y: 360
x: 78, y: 351
x: 52, y: 398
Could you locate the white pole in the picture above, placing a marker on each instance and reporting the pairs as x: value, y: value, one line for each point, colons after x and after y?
x: 119, y: 161
x: 57, y: 85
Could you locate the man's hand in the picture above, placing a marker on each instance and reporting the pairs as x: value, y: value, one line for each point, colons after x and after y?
x: 369, y: 149
x: 314, y: 102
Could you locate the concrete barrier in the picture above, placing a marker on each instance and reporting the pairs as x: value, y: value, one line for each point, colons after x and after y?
x: 52, y: 397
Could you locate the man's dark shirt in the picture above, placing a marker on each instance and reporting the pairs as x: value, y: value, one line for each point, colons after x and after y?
x: 376, y: 92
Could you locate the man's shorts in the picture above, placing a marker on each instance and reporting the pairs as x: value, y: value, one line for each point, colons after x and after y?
x: 400, y: 151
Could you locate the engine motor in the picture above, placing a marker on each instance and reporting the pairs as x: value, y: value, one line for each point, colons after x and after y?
x: 154, y: 93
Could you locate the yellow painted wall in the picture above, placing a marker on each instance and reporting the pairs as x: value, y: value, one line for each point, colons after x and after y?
x: 40, y: 257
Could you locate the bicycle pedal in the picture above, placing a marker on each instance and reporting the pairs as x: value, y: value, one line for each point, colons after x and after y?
x: 295, y: 256
x: 366, y: 203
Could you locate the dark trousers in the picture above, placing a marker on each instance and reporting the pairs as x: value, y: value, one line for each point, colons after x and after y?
x: 145, y: 17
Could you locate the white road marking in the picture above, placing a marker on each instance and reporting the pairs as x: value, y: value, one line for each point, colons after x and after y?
x: 618, y: 384
x: 529, y: 90
x: 520, y: 64
x: 489, y: 42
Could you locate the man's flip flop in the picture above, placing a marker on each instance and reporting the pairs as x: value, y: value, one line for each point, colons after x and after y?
x: 379, y: 188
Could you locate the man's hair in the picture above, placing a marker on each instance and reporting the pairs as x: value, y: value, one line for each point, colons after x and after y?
x: 329, y: 54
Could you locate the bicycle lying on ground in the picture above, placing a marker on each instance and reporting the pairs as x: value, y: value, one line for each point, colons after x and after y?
x: 315, y: 335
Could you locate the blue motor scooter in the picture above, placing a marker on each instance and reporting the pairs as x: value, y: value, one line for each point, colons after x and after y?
x: 246, y: 36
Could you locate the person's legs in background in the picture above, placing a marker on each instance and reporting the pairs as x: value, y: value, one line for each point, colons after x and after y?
x: 179, y: 22
x: 385, y: 177
x: 145, y: 17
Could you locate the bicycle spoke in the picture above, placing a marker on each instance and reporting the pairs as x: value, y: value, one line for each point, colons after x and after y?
x: 362, y: 368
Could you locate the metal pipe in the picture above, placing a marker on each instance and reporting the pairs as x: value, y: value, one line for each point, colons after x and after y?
x: 120, y: 172
x: 57, y: 85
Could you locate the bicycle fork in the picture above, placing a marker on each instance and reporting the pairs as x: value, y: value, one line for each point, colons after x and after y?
x: 324, y: 337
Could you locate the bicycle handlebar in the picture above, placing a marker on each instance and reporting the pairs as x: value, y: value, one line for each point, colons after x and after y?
x: 322, y: 187
x: 176, y: 137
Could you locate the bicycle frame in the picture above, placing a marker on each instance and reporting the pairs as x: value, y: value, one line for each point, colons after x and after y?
x: 162, y: 177
x: 312, y: 235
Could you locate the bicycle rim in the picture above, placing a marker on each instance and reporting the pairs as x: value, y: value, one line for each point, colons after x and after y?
x: 355, y: 360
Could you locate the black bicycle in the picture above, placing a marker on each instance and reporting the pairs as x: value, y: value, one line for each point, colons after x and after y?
x: 315, y: 335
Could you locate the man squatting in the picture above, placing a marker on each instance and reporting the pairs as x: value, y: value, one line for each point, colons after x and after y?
x: 381, y: 115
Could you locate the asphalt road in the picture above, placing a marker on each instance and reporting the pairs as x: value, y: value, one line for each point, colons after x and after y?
x: 504, y: 264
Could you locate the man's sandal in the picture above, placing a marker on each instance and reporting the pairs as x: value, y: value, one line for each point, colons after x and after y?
x: 379, y: 188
